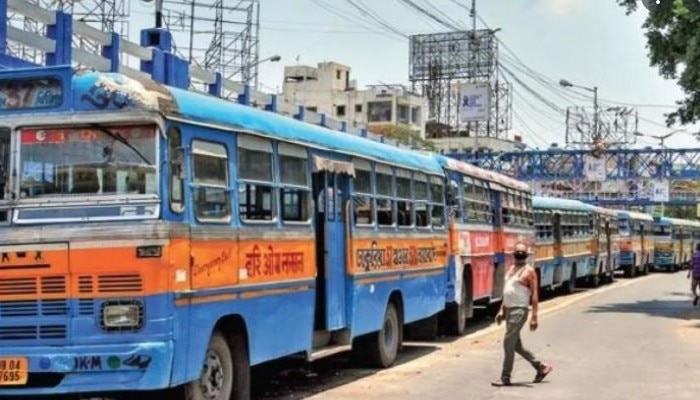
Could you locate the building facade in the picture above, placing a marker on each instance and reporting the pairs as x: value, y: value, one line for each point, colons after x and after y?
x: 328, y: 89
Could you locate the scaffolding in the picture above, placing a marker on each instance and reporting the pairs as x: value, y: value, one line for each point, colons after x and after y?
x: 230, y: 34
x: 440, y: 63
x: 616, y: 126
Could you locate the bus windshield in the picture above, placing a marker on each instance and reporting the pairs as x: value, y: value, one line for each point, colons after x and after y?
x: 88, y: 162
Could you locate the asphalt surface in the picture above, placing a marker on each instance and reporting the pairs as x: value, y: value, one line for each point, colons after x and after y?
x: 635, y: 339
x: 638, y: 339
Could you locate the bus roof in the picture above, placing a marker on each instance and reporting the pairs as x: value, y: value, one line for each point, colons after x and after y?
x: 209, y: 109
x: 557, y: 203
x: 476, y: 172
x: 600, y: 210
x: 145, y: 95
x: 634, y: 215
x: 663, y: 221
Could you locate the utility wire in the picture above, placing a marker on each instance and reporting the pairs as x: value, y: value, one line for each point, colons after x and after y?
x: 350, y: 17
x: 415, y: 6
x: 368, y: 13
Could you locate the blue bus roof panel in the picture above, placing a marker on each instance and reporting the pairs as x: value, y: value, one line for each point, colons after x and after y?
x: 556, y: 203
x: 212, y: 110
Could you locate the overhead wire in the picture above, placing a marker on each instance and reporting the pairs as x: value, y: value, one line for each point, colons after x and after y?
x: 364, y: 10
x: 438, y: 11
x: 415, y: 6
x: 359, y: 21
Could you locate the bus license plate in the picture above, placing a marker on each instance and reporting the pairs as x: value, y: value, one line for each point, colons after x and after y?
x: 14, y: 371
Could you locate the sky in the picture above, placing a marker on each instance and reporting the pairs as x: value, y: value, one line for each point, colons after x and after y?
x: 588, y: 42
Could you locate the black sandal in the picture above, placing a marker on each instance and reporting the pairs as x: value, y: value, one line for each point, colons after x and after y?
x: 542, y: 373
x: 501, y: 382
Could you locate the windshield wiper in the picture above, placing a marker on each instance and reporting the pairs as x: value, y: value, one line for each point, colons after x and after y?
x: 121, y: 139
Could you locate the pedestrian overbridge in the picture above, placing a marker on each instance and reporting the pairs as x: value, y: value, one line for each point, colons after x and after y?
x: 623, y: 177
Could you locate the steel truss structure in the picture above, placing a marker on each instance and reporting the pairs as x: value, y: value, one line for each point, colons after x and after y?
x: 230, y: 46
x: 629, y: 173
x: 440, y: 62
x: 616, y: 126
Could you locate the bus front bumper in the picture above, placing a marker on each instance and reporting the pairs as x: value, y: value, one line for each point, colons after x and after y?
x: 99, y: 368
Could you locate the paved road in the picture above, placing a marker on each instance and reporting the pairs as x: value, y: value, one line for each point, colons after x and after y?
x: 637, y: 339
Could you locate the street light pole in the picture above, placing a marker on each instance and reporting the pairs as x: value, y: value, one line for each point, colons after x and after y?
x: 159, y: 13
x: 596, y: 118
x: 596, y: 132
x: 273, y: 58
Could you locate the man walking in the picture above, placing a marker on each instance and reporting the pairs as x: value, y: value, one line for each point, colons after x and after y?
x: 695, y: 271
x: 519, y: 292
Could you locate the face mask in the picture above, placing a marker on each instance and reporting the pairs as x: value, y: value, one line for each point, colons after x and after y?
x: 521, y: 255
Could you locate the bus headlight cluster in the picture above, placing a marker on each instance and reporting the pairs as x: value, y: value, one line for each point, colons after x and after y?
x: 121, y: 315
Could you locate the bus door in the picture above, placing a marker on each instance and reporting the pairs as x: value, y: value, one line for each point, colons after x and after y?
x: 642, y: 235
x: 558, y: 275
x: 331, y: 197
x: 608, y: 244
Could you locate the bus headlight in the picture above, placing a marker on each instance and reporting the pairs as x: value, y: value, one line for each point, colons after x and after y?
x: 122, y: 315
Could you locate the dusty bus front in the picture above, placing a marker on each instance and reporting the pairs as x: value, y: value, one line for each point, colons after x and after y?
x: 84, y: 303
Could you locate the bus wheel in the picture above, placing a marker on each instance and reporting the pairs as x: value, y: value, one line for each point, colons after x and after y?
x: 594, y: 280
x: 225, y: 373
x: 571, y: 283
x: 457, y: 314
x: 383, y: 346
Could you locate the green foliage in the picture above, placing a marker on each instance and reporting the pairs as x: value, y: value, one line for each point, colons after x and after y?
x: 403, y: 134
x: 673, y: 41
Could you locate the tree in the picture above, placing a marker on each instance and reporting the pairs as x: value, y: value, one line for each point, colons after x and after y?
x: 403, y: 134
x: 673, y: 39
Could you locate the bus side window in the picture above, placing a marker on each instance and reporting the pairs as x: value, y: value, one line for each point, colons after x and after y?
x: 211, y: 179
x: 437, y: 206
x: 176, y: 170
x: 384, y: 190
x: 403, y: 193
x: 294, y: 179
x: 420, y: 197
x: 363, y: 204
x: 256, y: 194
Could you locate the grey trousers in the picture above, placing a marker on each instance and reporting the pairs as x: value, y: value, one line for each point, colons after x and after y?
x: 515, y: 320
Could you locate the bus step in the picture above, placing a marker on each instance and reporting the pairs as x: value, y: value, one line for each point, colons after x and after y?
x: 328, y: 351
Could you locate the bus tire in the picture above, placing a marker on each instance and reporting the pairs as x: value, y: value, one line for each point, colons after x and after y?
x: 571, y: 283
x: 457, y: 314
x: 226, y: 371
x: 383, y: 346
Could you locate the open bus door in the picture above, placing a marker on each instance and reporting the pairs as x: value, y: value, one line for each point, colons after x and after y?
x: 331, y: 196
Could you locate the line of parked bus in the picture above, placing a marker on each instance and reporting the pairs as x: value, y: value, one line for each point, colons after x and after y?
x: 174, y: 239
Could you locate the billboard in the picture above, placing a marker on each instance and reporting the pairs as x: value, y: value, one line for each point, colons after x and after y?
x: 452, y: 55
x: 595, y: 169
x: 474, y: 101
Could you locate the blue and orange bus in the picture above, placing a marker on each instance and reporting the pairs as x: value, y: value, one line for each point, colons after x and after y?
x: 167, y: 238
x: 605, y: 250
x: 636, y: 242
x: 664, y: 257
x: 681, y: 235
x: 491, y: 212
x: 563, y: 240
